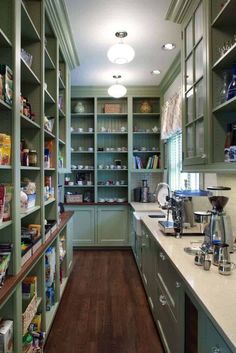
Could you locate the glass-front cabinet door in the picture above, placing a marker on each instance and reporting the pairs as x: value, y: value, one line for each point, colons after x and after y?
x: 194, y: 87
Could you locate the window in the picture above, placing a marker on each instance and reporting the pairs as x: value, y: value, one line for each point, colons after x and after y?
x: 176, y: 179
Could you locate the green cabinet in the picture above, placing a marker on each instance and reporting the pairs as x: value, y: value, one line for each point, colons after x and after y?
x: 194, y: 76
x: 83, y: 226
x: 214, y: 343
x: 112, y: 223
x: 97, y: 225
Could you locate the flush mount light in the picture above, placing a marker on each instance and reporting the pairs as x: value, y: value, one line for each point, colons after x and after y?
x: 168, y: 46
x: 117, y: 90
x: 155, y: 72
x: 121, y: 53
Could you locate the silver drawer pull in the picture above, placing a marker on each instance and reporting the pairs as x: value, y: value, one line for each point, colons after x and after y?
x: 162, y: 299
x: 215, y: 350
x: 177, y: 284
x: 162, y: 256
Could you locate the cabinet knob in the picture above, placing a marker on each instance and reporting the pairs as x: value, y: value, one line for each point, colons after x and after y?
x: 177, y: 284
x: 215, y: 350
x: 162, y: 256
x: 147, y: 236
x: 203, y: 156
x: 162, y: 299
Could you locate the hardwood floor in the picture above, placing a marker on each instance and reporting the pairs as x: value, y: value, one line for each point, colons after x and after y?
x: 104, y: 308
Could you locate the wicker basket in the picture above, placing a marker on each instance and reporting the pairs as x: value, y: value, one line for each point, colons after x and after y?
x: 112, y: 108
x: 74, y: 198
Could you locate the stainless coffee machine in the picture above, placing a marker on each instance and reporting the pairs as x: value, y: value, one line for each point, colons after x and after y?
x: 219, y: 229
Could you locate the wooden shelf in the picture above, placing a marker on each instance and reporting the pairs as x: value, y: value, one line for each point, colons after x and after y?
x: 146, y: 170
x: 112, y: 186
x: 157, y: 151
x: 49, y: 98
x: 226, y: 16
x: 27, y: 123
x: 50, y: 316
x: 112, y: 133
x: 29, y: 168
x: 228, y: 106
x: 28, y: 75
x: 5, y: 42
x: 147, y: 133
x: 61, y: 84
x: 28, y: 29
x: 29, y: 211
x: 61, y: 142
x: 83, y: 152
x: 226, y: 61
x: 49, y: 169
x: 48, y: 135
x: 5, y: 167
x: 49, y: 201
x: 4, y: 105
x: 147, y: 114
x: 12, y: 281
x: 78, y: 186
x: 82, y: 170
x: 82, y: 133
x: 115, y: 152
x: 49, y: 64
x: 112, y: 170
x: 74, y: 115
x: 62, y: 114
x: 5, y: 224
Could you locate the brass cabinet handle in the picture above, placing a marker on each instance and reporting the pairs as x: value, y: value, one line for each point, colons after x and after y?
x: 162, y: 299
x: 162, y: 256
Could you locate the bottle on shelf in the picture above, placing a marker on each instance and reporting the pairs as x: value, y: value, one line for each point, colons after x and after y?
x: 232, y: 149
x: 231, y: 92
x: 224, y: 88
x: 228, y: 140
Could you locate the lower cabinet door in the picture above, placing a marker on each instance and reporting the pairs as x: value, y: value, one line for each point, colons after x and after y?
x: 214, y: 342
x: 112, y: 225
x: 83, y: 226
x: 167, y: 325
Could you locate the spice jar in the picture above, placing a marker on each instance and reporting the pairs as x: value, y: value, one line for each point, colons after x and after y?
x: 33, y: 158
x: 25, y: 157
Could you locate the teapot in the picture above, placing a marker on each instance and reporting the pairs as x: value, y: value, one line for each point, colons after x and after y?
x: 79, y: 107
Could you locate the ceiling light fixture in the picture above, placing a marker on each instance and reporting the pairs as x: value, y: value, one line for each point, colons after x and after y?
x: 168, y: 46
x: 117, y: 90
x: 121, y: 53
x: 155, y: 72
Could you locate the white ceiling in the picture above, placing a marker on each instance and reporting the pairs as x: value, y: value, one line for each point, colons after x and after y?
x: 94, y: 23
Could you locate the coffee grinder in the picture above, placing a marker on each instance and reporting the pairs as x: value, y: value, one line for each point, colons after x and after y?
x: 219, y: 229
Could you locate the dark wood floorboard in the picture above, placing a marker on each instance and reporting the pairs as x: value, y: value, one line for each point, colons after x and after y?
x: 104, y: 308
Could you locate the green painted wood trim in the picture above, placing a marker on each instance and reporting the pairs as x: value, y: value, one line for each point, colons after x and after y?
x: 177, y: 10
x: 101, y: 91
x: 171, y: 74
x: 58, y: 15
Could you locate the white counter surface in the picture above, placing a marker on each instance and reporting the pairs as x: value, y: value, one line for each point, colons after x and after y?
x: 145, y: 207
x: 215, y: 292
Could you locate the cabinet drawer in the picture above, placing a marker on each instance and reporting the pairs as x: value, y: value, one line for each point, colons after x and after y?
x: 215, y: 343
x: 170, y: 281
x: 166, y: 322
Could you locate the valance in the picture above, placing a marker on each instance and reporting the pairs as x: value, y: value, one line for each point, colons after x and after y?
x: 171, y: 116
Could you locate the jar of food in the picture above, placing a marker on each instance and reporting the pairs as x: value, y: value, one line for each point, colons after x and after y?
x: 33, y: 158
x: 25, y: 157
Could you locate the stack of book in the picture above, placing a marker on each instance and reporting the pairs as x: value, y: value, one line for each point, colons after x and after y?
x: 153, y: 162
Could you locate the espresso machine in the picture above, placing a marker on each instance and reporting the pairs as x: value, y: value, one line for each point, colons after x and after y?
x: 219, y: 229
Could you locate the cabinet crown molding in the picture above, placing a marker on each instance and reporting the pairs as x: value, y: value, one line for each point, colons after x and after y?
x: 177, y: 10
x: 58, y: 14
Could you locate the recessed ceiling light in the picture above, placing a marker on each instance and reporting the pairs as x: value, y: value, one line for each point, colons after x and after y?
x: 168, y: 46
x: 155, y: 72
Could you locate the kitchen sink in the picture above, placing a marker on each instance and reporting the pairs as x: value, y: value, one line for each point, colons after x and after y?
x: 159, y: 215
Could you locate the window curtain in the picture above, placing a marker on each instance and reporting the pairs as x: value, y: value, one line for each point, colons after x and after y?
x: 171, y: 116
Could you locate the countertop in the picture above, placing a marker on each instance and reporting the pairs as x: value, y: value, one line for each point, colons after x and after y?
x: 142, y: 207
x: 215, y: 293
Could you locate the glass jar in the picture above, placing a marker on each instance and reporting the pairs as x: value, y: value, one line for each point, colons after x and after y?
x: 25, y: 157
x: 33, y: 158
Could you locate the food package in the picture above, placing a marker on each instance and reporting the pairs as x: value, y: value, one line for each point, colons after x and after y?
x: 5, y: 149
x: 7, y: 75
x: 29, y: 287
x: 7, y: 203
x: 4, y: 263
x: 6, y: 336
x: 2, y: 201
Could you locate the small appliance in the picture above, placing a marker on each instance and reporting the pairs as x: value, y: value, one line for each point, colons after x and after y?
x: 219, y: 230
x: 144, y: 191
